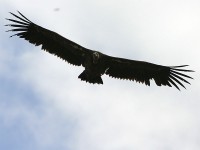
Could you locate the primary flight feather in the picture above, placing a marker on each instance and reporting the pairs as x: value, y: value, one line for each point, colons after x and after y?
x: 96, y: 63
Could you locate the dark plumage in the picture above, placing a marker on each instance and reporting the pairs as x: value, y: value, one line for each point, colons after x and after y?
x: 96, y: 64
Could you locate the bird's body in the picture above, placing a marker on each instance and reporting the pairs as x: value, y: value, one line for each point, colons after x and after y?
x: 95, y: 67
x: 96, y: 63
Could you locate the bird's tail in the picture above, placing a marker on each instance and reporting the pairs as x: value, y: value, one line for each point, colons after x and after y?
x: 90, y: 78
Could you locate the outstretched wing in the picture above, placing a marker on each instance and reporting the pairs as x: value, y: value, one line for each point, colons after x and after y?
x: 143, y: 72
x: 50, y: 41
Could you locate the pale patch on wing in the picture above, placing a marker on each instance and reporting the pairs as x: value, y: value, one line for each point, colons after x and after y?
x: 106, y: 69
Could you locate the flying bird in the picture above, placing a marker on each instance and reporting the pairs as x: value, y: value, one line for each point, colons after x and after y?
x: 96, y: 63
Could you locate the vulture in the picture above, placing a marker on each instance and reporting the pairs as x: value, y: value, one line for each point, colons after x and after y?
x: 96, y: 63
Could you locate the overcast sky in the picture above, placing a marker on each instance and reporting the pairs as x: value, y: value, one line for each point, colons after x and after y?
x: 44, y: 106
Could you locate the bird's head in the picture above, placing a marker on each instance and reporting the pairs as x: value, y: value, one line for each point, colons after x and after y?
x: 95, y: 57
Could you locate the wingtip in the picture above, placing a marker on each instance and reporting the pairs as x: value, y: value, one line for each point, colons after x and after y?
x: 7, y: 25
x: 6, y: 18
x: 19, y: 12
x: 181, y: 66
x: 177, y: 68
x: 12, y: 13
x: 177, y: 88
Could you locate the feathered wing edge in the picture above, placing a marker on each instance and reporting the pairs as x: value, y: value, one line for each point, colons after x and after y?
x: 20, y: 26
x: 143, y: 72
x: 175, y: 76
x: 50, y: 41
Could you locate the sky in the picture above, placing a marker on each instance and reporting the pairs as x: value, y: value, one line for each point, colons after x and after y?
x: 44, y: 106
